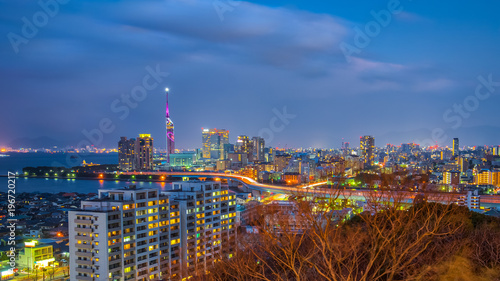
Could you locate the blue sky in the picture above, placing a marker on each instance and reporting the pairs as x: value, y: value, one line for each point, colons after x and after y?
x: 232, y: 71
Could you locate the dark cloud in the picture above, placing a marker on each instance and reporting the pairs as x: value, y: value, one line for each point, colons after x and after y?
x: 225, y: 74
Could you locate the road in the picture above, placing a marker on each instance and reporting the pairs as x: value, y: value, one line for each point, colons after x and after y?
x: 312, y: 190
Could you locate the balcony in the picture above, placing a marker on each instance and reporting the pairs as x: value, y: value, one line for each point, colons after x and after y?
x: 84, y: 270
x: 130, y: 257
x: 85, y: 262
x: 84, y: 246
x: 84, y: 278
x: 114, y: 228
x: 115, y: 220
x: 114, y: 236
x: 77, y: 221
x: 83, y: 230
x: 83, y: 238
x: 84, y: 254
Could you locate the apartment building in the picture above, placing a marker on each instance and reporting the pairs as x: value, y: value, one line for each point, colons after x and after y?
x: 208, y: 223
x: 145, y: 234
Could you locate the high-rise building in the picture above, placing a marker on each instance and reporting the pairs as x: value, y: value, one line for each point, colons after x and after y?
x: 126, y: 234
x: 269, y: 154
x: 258, y: 149
x: 464, y: 164
x: 367, y: 146
x: 243, y: 145
x: 455, y: 147
x: 496, y: 150
x: 496, y: 178
x: 144, y: 152
x: 126, y: 154
x: 170, y: 133
x: 451, y: 177
x: 213, y: 141
x: 484, y: 177
x: 136, y: 154
x: 207, y: 222
x: 145, y: 234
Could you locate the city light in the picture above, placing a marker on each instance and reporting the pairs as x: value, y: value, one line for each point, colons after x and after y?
x: 276, y: 184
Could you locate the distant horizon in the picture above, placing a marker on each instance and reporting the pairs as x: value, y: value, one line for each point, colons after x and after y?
x: 67, y: 147
x: 299, y: 73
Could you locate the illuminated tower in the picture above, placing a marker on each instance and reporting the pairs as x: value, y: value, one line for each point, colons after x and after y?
x: 170, y: 133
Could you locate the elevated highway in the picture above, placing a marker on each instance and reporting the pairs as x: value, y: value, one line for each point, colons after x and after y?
x: 314, y: 190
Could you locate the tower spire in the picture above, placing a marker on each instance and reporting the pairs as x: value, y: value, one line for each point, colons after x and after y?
x: 170, y: 132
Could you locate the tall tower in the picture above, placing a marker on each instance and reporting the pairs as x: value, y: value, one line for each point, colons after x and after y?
x: 170, y: 133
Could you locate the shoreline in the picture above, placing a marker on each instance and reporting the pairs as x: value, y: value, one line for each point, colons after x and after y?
x: 90, y: 178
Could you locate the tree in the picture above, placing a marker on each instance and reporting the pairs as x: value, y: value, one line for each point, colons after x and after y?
x: 391, y: 240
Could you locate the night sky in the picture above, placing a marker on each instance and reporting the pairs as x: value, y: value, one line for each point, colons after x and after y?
x: 233, y: 64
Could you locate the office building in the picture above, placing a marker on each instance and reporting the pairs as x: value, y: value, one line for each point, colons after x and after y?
x: 135, y: 154
x: 143, y: 234
x: 367, y: 146
x: 269, y: 154
x: 183, y: 159
x: 258, y: 145
x: 496, y: 150
x: 126, y: 154
x: 243, y: 145
x: 35, y: 256
x: 227, y: 149
x: 451, y: 177
x: 144, y: 153
x: 213, y: 141
x: 456, y: 150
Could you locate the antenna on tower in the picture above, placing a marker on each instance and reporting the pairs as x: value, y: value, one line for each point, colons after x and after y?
x: 170, y: 131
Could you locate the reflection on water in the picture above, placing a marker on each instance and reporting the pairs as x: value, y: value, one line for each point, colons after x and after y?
x: 76, y: 185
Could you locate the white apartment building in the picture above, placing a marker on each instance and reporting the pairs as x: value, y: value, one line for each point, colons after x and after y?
x: 145, y: 234
x: 208, y: 221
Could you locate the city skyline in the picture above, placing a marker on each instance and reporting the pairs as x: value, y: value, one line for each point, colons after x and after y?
x: 404, y: 88
x: 221, y: 140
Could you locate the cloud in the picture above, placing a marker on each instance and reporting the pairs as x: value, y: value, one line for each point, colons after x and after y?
x: 229, y: 72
